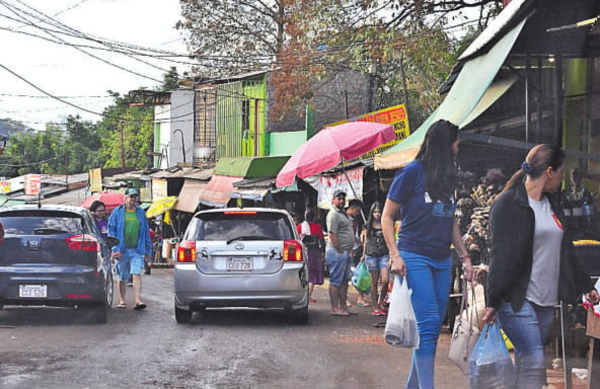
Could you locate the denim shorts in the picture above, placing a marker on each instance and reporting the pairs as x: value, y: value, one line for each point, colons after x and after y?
x: 377, y: 263
x: 131, y: 262
x: 339, y: 267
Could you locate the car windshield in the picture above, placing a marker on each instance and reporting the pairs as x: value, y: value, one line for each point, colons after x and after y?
x: 40, y: 222
x: 240, y: 226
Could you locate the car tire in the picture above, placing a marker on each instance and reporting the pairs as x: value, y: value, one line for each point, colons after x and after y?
x: 183, y: 316
x: 300, y: 315
x: 99, y: 312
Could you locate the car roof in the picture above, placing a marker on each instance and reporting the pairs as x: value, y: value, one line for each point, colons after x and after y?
x: 257, y: 209
x: 46, y: 207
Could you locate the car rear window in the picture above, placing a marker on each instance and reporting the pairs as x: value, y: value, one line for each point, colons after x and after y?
x: 36, y: 222
x: 228, y: 226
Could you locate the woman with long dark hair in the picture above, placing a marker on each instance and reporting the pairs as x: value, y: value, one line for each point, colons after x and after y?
x: 376, y: 254
x: 424, y: 193
x: 533, y: 264
x: 314, y: 240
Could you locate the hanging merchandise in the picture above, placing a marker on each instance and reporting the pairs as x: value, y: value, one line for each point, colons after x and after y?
x: 401, y: 326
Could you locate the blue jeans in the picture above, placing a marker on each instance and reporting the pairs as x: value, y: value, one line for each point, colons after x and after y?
x: 339, y: 267
x: 130, y: 263
x: 430, y: 281
x: 527, y: 330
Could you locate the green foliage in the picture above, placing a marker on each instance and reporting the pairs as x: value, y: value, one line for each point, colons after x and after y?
x: 136, y: 124
x: 170, y: 80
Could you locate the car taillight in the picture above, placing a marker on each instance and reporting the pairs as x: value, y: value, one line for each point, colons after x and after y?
x: 186, y: 251
x: 292, y: 251
x: 84, y: 242
x: 240, y: 213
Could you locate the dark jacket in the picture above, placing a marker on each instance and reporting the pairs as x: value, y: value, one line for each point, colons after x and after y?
x: 512, y: 225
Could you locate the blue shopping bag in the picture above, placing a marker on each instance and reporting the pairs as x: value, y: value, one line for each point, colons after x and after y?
x: 490, y: 366
x: 361, y: 280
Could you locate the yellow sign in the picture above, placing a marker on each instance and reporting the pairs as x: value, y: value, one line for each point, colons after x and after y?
x: 95, y: 180
x: 395, y: 115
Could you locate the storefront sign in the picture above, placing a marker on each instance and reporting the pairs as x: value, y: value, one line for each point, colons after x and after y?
x: 159, y: 188
x: 395, y: 115
x: 329, y: 184
x: 32, y: 184
x: 12, y: 185
x: 95, y: 180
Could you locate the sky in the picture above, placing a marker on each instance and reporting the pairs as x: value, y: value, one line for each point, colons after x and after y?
x: 63, y: 71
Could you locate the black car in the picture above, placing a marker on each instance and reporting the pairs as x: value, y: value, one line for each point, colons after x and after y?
x: 54, y: 255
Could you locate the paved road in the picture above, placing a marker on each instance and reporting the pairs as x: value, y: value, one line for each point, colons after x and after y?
x: 57, y: 348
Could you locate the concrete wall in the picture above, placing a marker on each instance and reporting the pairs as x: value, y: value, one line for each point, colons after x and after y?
x: 179, y: 115
x: 162, y: 131
x: 329, y: 101
x: 182, y: 118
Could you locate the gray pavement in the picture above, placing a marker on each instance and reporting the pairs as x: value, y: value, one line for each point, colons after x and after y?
x: 57, y: 348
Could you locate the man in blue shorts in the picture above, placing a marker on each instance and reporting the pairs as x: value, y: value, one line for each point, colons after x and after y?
x: 128, y: 223
x: 337, y: 256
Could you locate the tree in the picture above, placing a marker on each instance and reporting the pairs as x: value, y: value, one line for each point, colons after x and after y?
x: 170, y: 80
x: 406, y: 42
x: 126, y: 133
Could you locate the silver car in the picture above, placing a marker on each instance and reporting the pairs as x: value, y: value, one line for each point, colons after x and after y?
x: 251, y: 257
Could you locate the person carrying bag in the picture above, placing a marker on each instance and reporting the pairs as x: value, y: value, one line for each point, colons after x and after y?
x: 401, y: 326
x: 490, y: 366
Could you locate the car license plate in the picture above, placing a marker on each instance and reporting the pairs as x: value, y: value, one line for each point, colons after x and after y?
x: 33, y: 291
x: 243, y: 264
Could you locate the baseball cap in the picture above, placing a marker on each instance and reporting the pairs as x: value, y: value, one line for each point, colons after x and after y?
x: 338, y: 192
x: 132, y: 192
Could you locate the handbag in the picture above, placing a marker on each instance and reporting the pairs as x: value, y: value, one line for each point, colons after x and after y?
x: 464, y: 334
x: 401, y: 325
x: 490, y: 365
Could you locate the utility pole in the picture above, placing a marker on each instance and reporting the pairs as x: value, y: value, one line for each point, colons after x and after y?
x: 122, y: 146
x: 346, y: 104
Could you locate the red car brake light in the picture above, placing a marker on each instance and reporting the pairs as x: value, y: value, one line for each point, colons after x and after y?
x: 186, y: 251
x: 292, y: 251
x: 83, y: 242
x: 240, y: 213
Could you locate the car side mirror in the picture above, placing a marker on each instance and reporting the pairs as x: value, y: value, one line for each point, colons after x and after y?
x: 111, y: 241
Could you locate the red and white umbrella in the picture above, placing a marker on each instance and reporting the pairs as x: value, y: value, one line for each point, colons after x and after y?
x: 110, y: 199
x: 331, y: 145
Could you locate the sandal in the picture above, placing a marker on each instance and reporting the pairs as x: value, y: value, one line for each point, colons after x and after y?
x: 139, y: 306
x: 363, y: 304
x: 122, y: 305
x: 311, y: 300
x: 339, y: 313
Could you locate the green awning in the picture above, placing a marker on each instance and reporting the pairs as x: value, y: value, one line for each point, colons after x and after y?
x: 462, y: 104
x: 250, y: 167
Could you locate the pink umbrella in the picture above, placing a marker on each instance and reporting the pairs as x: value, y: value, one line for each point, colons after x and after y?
x: 110, y: 199
x: 331, y: 145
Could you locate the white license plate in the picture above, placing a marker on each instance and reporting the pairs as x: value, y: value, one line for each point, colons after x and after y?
x: 33, y: 291
x: 244, y: 264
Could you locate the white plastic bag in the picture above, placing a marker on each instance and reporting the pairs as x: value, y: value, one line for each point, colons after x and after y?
x: 401, y: 326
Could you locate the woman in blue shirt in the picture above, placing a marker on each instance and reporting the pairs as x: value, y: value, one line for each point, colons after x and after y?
x: 423, y: 192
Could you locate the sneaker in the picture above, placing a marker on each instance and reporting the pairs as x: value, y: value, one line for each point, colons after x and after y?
x: 384, y: 312
x: 377, y: 312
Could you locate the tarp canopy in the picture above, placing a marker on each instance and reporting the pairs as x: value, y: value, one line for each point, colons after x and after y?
x: 189, y: 197
x: 462, y: 104
x: 160, y: 206
x: 218, y: 191
x: 249, y: 194
x: 250, y: 167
